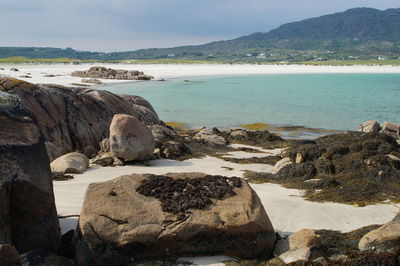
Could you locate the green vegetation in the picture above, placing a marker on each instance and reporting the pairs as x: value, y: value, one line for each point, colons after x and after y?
x: 22, y: 59
x: 356, y: 36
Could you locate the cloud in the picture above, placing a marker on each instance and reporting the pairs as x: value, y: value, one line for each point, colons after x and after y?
x: 98, y: 24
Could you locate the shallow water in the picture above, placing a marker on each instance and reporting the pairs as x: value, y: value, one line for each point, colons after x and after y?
x: 329, y: 101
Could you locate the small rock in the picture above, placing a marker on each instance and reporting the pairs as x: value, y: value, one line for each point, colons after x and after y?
x: 299, y: 158
x: 14, y: 69
x: 303, y: 238
x: 280, y: 164
x: 49, y: 76
x: 105, y: 161
x: 92, y: 81
x: 74, y: 163
x: 369, y: 126
x: 295, y: 255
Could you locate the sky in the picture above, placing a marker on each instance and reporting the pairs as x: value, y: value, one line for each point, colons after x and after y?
x: 122, y: 25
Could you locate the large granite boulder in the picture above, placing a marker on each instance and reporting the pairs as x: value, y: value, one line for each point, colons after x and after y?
x: 109, y: 73
x: 75, y: 118
x: 28, y: 216
x: 130, y: 139
x: 188, y: 214
x: 71, y: 163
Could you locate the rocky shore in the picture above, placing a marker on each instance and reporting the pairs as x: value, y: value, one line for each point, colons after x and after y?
x: 49, y: 131
x: 100, y: 72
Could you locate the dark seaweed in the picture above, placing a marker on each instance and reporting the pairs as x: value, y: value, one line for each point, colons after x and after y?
x: 179, y: 195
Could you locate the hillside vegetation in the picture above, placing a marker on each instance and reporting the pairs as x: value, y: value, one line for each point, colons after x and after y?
x: 356, y: 34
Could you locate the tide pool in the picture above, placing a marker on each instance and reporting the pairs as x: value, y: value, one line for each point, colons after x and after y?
x: 328, y: 101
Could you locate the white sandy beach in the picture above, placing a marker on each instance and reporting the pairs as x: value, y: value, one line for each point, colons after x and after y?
x: 287, y: 210
x: 62, y: 72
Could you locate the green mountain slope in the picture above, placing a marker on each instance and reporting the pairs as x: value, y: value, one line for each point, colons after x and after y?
x: 359, y: 33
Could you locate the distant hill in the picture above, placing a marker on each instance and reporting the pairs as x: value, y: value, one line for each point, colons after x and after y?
x: 356, y: 23
x: 359, y: 33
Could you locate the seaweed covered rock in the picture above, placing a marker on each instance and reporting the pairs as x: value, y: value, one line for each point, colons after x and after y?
x: 262, y: 138
x: 28, y: 216
x: 187, y: 214
x: 75, y: 118
x: 130, y: 139
x: 109, y: 73
x: 352, y: 167
x: 169, y: 143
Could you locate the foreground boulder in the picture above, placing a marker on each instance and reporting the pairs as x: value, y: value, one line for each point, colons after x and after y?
x: 109, y: 73
x: 130, y: 139
x: 74, y: 118
x: 71, y: 163
x: 28, y: 216
x: 148, y: 216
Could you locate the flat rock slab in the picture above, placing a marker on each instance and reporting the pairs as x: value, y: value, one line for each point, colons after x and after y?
x: 118, y: 224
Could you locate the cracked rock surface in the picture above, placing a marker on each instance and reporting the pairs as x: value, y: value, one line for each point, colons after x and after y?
x: 118, y: 224
x: 28, y: 216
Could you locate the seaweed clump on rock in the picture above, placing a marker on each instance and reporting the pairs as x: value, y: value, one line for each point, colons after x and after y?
x: 179, y: 195
x: 354, y: 167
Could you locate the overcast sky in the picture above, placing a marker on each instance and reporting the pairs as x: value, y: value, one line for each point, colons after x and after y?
x: 118, y: 25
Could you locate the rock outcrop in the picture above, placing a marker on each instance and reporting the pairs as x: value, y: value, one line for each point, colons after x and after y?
x: 28, y: 216
x: 74, y: 118
x: 354, y: 167
x: 130, y: 139
x: 99, y: 72
x: 70, y: 163
x: 186, y: 215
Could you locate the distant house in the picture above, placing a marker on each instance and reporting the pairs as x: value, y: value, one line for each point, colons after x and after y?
x: 171, y: 55
x: 261, y: 56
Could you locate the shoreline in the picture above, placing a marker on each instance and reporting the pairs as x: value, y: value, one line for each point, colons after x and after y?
x: 62, y: 72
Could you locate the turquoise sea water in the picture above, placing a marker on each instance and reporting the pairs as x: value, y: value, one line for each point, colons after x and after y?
x: 329, y: 101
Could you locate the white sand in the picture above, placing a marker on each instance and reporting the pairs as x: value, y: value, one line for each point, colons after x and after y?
x: 164, y: 71
x: 288, y: 211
